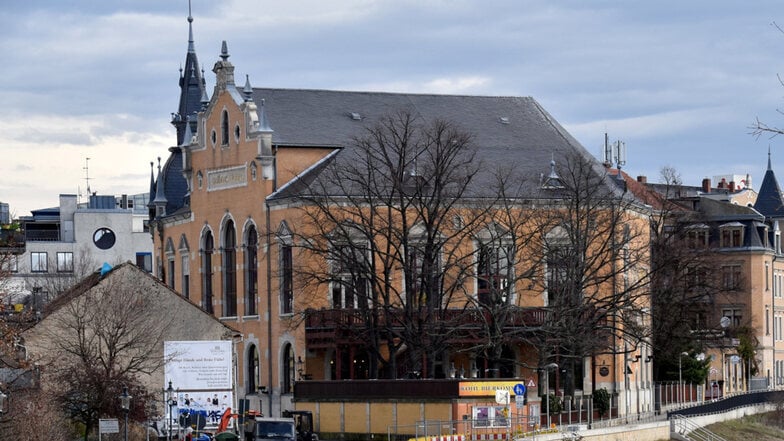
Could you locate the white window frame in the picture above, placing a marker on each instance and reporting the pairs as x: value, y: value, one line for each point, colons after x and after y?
x: 39, y: 262
x: 65, y: 265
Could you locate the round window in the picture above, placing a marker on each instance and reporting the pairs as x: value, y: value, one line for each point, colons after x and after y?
x: 104, y: 238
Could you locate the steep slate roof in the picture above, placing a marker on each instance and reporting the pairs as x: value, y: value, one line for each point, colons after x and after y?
x: 526, y: 139
x: 769, y: 200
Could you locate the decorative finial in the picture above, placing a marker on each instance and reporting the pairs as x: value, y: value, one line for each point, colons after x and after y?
x: 224, y: 51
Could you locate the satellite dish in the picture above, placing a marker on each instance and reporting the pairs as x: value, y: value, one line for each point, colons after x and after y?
x: 725, y: 322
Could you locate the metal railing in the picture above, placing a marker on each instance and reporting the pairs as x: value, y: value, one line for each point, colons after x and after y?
x: 689, y: 429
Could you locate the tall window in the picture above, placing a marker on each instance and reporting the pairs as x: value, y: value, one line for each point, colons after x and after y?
x: 350, y: 282
x: 229, y: 271
x: 730, y: 276
x: 492, y: 269
x: 253, y: 369
x: 38, y: 262
x: 186, y: 276
x: 170, y: 275
x: 251, y: 271
x: 286, y: 279
x: 560, y: 260
x: 206, y: 271
x: 65, y: 262
x: 225, y: 128
x: 423, y: 276
x: 288, y: 370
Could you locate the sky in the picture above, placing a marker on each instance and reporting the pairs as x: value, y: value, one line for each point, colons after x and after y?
x: 680, y: 82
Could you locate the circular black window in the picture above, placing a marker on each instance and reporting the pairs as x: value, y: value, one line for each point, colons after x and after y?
x: 104, y: 238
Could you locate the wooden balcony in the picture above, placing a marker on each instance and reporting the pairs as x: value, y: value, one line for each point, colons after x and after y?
x: 328, y: 328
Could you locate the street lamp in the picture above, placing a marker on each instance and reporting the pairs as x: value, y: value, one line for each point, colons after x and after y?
x: 170, y: 400
x: 125, y: 405
x: 547, y: 389
x: 680, y: 376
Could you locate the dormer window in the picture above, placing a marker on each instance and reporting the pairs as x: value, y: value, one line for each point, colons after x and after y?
x: 697, y: 236
x: 732, y: 235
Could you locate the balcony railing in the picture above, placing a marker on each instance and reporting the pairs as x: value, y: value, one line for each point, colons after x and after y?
x: 327, y: 327
x: 43, y: 236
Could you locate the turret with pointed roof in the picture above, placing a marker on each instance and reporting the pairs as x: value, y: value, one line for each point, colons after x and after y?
x: 769, y: 200
x: 192, y: 87
x: 171, y: 186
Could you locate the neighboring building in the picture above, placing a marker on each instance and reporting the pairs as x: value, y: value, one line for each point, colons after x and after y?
x: 5, y: 214
x: 227, y: 246
x: 64, y: 243
x: 160, y: 314
x: 736, y: 279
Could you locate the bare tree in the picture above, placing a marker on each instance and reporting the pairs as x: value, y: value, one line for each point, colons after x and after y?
x: 591, y: 237
x: 393, y: 205
x: 100, y: 337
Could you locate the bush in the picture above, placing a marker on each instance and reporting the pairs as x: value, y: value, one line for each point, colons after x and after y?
x: 601, y: 401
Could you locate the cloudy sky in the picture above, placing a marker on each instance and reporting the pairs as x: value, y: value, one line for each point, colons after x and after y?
x: 679, y: 81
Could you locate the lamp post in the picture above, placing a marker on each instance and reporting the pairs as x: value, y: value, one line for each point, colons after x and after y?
x: 125, y: 405
x: 171, y: 402
x: 547, y: 389
x: 680, y: 376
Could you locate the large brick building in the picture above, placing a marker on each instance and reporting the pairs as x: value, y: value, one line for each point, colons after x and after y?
x: 236, y: 234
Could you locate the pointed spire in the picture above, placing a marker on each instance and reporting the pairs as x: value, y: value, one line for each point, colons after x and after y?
x: 247, y: 90
x: 205, y: 100
x: 160, y: 198
x: 190, y: 30
x: 263, y: 121
x: 152, y: 183
x: 769, y: 166
x: 188, y: 138
x: 224, y: 51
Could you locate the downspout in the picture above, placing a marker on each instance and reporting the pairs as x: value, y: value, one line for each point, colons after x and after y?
x: 269, y: 285
x: 269, y: 306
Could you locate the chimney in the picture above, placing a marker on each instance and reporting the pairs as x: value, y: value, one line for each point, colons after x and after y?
x: 642, y: 179
x: 722, y: 183
x: 732, y: 186
x: 706, y: 185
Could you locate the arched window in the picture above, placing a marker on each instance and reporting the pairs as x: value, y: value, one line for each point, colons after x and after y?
x: 287, y: 378
x: 229, y: 270
x: 225, y: 128
x: 253, y: 369
x: 206, y: 271
x: 251, y: 271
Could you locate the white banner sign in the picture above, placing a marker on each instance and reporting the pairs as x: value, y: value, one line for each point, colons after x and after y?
x: 198, y: 365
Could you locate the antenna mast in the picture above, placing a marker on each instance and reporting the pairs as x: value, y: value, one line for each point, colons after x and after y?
x: 86, y: 169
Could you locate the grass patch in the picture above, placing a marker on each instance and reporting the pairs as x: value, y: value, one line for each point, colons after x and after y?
x: 760, y: 427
